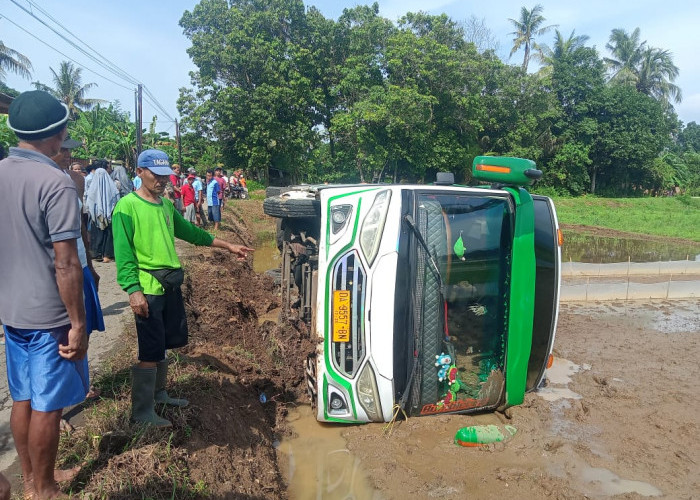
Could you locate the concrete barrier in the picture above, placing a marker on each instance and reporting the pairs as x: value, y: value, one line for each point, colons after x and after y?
x: 627, y: 290
x: 677, y: 267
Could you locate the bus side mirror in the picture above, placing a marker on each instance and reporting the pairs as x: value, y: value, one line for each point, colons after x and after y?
x: 533, y: 173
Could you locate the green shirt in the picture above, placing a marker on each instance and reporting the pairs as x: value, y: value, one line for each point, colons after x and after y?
x: 144, y: 238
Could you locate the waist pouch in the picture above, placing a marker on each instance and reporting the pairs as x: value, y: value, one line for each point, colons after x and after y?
x: 170, y: 279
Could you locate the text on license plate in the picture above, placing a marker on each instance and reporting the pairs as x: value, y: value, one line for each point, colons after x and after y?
x: 341, y: 316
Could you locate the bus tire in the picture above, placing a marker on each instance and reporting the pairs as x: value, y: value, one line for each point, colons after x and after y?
x: 291, y: 208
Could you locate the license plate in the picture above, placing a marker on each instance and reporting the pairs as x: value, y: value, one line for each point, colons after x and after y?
x: 341, y: 316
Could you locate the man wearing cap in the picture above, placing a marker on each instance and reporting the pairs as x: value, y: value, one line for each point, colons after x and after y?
x: 42, y: 310
x: 145, y: 225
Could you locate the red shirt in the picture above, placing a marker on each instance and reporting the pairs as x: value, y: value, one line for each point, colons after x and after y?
x: 175, y: 180
x: 222, y: 186
x: 187, y: 194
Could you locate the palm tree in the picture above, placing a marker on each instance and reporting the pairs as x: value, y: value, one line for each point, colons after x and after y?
x: 11, y: 60
x: 626, y: 50
x: 656, y: 74
x: 69, y: 89
x: 527, y: 28
x: 562, y: 48
x: 649, y: 69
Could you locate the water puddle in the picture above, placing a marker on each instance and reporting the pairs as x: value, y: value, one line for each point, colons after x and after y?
x: 266, y: 256
x: 599, y: 481
x: 318, y: 463
x: 580, y: 247
x: 558, y: 378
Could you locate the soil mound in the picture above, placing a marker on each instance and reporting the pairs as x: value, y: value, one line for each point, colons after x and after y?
x: 257, y: 368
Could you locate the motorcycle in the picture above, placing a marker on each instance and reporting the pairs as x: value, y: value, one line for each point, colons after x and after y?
x: 239, y: 192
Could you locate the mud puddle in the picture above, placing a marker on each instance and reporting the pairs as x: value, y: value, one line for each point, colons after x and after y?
x: 661, y: 316
x: 266, y: 255
x: 317, y: 464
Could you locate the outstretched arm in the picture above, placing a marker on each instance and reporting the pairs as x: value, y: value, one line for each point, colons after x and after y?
x: 240, y: 250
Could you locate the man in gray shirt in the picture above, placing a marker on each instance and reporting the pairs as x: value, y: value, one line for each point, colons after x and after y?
x: 42, y: 309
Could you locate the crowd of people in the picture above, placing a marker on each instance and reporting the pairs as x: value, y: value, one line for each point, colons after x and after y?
x: 58, y: 214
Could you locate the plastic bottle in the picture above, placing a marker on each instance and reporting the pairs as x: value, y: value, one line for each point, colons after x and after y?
x: 481, y: 435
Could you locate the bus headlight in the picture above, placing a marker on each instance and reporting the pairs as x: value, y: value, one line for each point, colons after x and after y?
x: 368, y: 394
x: 373, y: 226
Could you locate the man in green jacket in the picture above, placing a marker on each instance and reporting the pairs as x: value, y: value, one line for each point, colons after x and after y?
x: 145, y: 225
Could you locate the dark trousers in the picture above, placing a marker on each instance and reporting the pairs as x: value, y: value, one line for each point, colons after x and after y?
x: 101, y: 242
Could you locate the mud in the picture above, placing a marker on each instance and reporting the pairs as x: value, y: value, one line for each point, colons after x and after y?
x: 623, y: 421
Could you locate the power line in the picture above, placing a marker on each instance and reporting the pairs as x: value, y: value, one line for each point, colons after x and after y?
x: 119, y: 74
x: 64, y: 55
x: 116, y: 68
x: 98, y: 58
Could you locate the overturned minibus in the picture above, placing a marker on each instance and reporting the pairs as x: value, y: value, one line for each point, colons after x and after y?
x: 425, y: 299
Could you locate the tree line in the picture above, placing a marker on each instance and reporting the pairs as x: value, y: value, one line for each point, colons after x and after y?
x: 362, y: 98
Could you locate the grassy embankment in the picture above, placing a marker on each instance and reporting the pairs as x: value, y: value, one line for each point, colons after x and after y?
x: 674, y: 217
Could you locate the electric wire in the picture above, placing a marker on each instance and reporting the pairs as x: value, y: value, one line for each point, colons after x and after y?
x: 3, y: 16
x: 121, y: 72
x: 97, y: 58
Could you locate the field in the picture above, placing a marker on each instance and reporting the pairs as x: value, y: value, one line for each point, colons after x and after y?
x: 675, y: 217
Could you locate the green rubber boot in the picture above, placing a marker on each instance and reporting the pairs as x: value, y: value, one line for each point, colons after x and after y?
x: 161, y: 395
x: 143, y: 383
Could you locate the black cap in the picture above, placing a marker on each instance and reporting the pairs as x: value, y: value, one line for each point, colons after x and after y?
x: 36, y: 114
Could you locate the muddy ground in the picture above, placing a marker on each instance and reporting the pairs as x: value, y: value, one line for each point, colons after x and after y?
x: 628, y: 424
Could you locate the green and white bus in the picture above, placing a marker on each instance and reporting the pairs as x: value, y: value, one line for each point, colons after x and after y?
x: 425, y: 299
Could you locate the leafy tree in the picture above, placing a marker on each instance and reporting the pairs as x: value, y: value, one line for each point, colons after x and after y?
x: 632, y: 130
x: 250, y: 62
x: 7, y: 136
x: 527, y: 27
x: 689, y: 139
x: 8, y: 90
x: 69, y: 88
x: 11, y: 60
x: 105, y: 133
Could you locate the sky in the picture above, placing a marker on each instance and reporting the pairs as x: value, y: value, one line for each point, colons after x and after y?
x: 143, y: 38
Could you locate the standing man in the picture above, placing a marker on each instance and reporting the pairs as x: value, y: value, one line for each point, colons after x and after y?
x: 188, y: 200
x: 218, y: 175
x: 177, y: 186
x: 145, y: 226
x: 198, y: 198
x: 213, y: 200
x: 44, y: 314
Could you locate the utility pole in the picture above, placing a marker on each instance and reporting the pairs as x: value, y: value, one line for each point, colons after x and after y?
x: 136, y: 125
x: 139, y: 120
x: 179, y: 144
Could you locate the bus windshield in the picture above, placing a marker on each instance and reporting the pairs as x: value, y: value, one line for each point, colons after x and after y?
x: 462, y: 280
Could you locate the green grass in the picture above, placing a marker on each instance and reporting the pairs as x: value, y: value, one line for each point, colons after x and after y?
x: 675, y: 217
